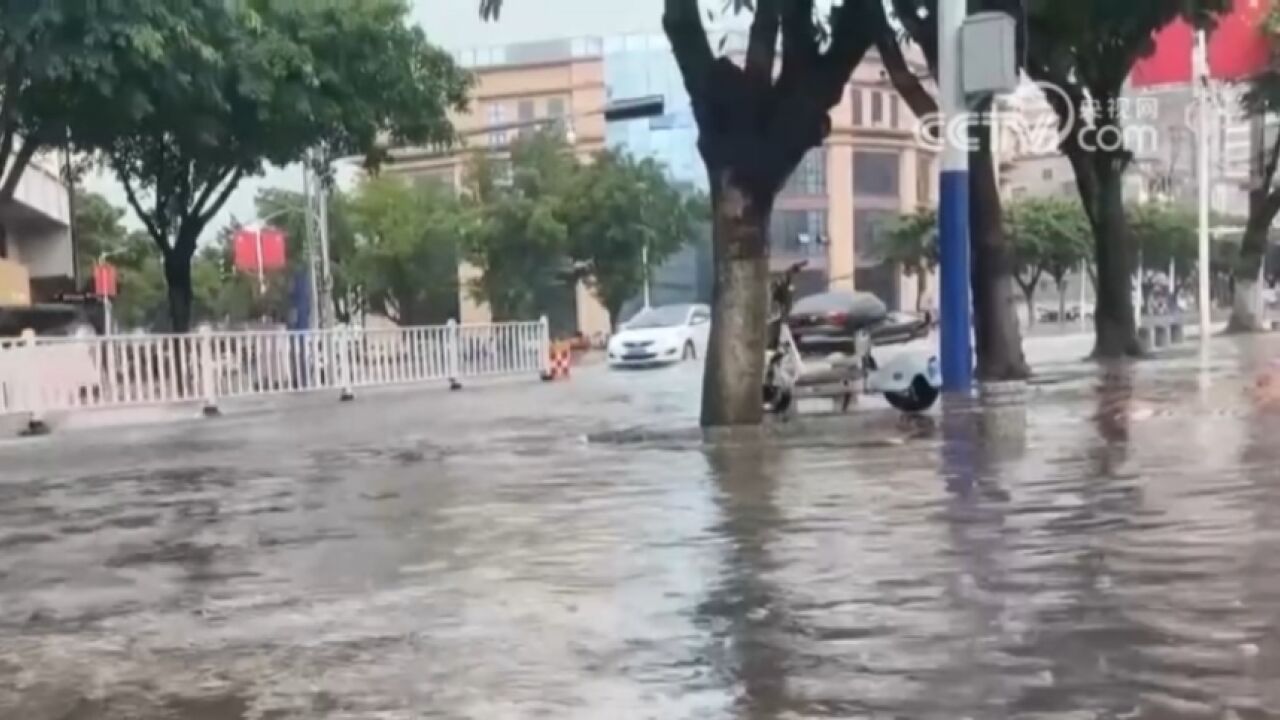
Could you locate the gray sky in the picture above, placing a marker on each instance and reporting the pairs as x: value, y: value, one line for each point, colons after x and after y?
x: 456, y: 24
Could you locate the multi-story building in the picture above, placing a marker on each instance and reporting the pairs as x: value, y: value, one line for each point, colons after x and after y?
x: 37, y: 260
x: 837, y: 205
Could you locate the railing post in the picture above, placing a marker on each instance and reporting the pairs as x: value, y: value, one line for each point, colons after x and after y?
x: 544, y: 347
x: 453, y: 337
x: 208, y: 379
x: 31, y: 371
x: 342, y: 360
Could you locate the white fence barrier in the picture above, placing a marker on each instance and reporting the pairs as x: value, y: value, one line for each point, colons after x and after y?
x: 38, y: 375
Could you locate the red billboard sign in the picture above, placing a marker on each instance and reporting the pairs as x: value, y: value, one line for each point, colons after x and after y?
x: 105, y: 280
x: 256, y: 250
x: 1238, y: 48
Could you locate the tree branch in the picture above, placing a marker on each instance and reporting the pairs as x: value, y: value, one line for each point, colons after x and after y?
x: 855, y: 25
x: 18, y: 167
x: 208, y: 193
x: 908, y: 85
x: 799, y: 42
x: 923, y: 32
x: 131, y: 195
x: 6, y: 146
x: 221, y: 199
x: 683, y: 26
x: 1273, y: 161
x: 762, y: 44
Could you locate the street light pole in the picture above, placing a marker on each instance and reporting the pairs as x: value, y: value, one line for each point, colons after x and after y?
x: 1200, y: 64
x: 644, y: 259
x: 953, y: 211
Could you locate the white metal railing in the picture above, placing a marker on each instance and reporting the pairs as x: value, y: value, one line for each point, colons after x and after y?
x: 39, y: 374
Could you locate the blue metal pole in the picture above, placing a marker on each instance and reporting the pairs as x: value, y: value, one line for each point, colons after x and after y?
x: 953, y: 210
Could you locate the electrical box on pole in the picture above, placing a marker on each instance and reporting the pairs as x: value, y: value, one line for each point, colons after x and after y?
x: 989, y: 54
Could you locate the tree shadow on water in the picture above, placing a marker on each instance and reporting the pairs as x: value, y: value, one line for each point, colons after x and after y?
x: 743, y: 612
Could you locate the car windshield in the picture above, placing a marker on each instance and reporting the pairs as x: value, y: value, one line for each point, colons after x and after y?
x: 660, y: 317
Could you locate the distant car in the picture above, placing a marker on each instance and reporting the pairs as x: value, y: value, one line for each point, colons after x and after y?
x: 661, y: 336
x: 829, y: 322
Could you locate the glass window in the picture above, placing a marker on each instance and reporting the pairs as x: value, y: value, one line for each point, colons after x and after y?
x: 798, y: 231
x: 855, y: 97
x: 869, y: 230
x: 877, y: 108
x: 494, y: 117
x: 555, y: 107
x: 1047, y: 174
x: 875, y: 174
x: 524, y: 110
x: 893, y: 111
x: 810, y: 176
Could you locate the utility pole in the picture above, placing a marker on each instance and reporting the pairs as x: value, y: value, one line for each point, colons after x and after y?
x: 953, y: 211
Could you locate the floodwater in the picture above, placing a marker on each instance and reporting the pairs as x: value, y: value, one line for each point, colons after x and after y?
x: 577, y: 551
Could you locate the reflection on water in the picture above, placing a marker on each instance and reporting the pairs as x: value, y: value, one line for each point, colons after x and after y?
x: 1111, y: 550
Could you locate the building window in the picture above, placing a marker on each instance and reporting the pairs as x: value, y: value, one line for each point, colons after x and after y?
x: 924, y: 181
x: 1047, y: 174
x: 798, y: 232
x: 893, y: 112
x: 875, y: 174
x: 877, y: 108
x: 555, y: 107
x: 810, y: 176
x: 855, y: 97
x: 494, y: 117
x: 870, y: 229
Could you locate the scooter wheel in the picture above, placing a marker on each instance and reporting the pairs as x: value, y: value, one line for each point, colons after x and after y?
x: 916, y: 399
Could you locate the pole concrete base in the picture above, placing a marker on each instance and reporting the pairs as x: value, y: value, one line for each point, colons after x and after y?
x: 211, y: 411
x: 346, y: 396
x: 1011, y: 393
x: 36, y: 428
x: 454, y: 385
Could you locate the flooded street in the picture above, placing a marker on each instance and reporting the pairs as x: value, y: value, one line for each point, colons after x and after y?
x: 579, y: 551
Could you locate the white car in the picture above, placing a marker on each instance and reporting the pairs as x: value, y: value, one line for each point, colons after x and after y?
x: 661, y: 336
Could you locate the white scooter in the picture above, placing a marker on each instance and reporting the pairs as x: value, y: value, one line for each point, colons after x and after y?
x: 910, y: 380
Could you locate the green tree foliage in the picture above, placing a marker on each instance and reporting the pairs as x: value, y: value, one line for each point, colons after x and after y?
x: 912, y: 244
x: 406, y: 260
x: 617, y: 208
x: 1051, y: 237
x: 546, y: 219
x: 1164, y: 236
x: 520, y: 242
x: 62, y: 65
x: 249, y: 83
x: 1086, y: 49
x: 98, y: 227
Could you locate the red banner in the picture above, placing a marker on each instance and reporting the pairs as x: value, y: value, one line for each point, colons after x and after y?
x: 247, y: 244
x: 1238, y: 48
x: 105, y: 281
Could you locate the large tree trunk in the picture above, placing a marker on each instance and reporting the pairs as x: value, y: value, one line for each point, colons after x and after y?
x: 735, y: 355
x: 1115, y: 327
x: 997, y: 338
x: 1246, y: 307
x: 177, y: 276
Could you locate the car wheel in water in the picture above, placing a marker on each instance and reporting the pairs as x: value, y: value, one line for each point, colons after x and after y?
x: 690, y: 352
x: 916, y: 399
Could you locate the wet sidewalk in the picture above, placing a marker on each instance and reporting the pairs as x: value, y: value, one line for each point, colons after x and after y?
x: 579, y: 551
